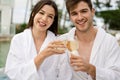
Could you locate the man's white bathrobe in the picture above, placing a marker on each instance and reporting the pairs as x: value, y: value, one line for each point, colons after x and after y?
x: 20, y: 60
x: 105, y: 56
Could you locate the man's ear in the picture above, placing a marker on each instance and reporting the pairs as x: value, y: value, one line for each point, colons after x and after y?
x: 93, y: 11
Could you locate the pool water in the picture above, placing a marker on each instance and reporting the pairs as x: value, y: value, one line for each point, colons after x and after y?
x: 4, y: 48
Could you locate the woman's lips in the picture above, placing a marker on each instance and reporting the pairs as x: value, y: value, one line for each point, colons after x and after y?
x: 42, y: 24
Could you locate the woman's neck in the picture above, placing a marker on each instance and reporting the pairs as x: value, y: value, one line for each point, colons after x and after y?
x: 39, y: 35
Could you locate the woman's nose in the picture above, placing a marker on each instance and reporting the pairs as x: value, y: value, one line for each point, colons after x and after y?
x: 44, y: 17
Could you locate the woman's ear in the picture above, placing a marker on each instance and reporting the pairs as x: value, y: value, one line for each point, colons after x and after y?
x: 32, y: 14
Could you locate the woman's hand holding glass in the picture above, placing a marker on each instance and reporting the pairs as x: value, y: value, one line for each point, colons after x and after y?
x: 55, y: 47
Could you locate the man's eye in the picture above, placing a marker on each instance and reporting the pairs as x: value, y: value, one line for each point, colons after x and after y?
x: 84, y: 11
x: 73, y: 14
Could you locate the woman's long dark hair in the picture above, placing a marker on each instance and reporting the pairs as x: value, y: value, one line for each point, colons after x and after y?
x: 36, y: 9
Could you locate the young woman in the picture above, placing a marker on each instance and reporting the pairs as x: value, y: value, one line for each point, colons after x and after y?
x: 32, y: 54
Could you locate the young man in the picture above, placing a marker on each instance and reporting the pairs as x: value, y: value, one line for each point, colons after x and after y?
x: 99, y: 52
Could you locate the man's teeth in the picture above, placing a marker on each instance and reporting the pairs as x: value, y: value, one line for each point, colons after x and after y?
x: 81, y: 22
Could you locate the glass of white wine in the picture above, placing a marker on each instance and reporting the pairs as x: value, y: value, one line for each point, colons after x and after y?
x: 72, y: 46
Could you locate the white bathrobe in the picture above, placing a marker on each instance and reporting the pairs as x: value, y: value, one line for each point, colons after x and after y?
x: 105, y: 56
x: 20, y: 60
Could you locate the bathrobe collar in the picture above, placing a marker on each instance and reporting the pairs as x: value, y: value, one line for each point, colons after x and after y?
x: 97, y: 42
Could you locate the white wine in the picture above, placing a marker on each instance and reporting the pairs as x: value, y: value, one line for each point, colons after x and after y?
x: 72, y: 45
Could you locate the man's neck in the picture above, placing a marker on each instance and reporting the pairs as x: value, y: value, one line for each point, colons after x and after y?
x: 88, y: 36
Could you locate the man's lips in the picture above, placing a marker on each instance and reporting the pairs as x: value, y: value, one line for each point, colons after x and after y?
x: 81, y: 22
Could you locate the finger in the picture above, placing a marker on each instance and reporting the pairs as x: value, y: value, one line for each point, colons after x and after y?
x: 57, y: 42
x: 59, y: 51
x: 79, y: 68
x: 77, y: 64
x: 50, y: 45
x: 75, y: 61
x: 56, y: 50
x: 58, y: 46
x: 74, y: 56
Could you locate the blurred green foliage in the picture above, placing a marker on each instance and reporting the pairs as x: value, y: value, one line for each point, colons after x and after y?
x: 111, y: 17
x: 20, y: 27
x: 62, y: 30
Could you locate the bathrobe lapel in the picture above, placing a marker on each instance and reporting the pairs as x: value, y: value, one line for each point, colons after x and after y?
x: 96, y: 45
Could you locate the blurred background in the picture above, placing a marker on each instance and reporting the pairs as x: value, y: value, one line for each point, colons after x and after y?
x: 14, y: 15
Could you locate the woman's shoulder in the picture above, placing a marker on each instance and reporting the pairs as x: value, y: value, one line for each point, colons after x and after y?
x: 21, y: 35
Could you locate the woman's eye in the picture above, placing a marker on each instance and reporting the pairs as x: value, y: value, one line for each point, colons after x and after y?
x: 50, y: 17
x: 41, y: 13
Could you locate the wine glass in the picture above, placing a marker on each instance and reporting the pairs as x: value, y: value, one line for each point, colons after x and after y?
x: 72, y: 46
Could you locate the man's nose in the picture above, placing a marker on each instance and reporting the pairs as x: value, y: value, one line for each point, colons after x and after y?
x: 80, y: 17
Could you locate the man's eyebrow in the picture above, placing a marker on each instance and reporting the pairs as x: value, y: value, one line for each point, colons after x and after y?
x: 84, y: 9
